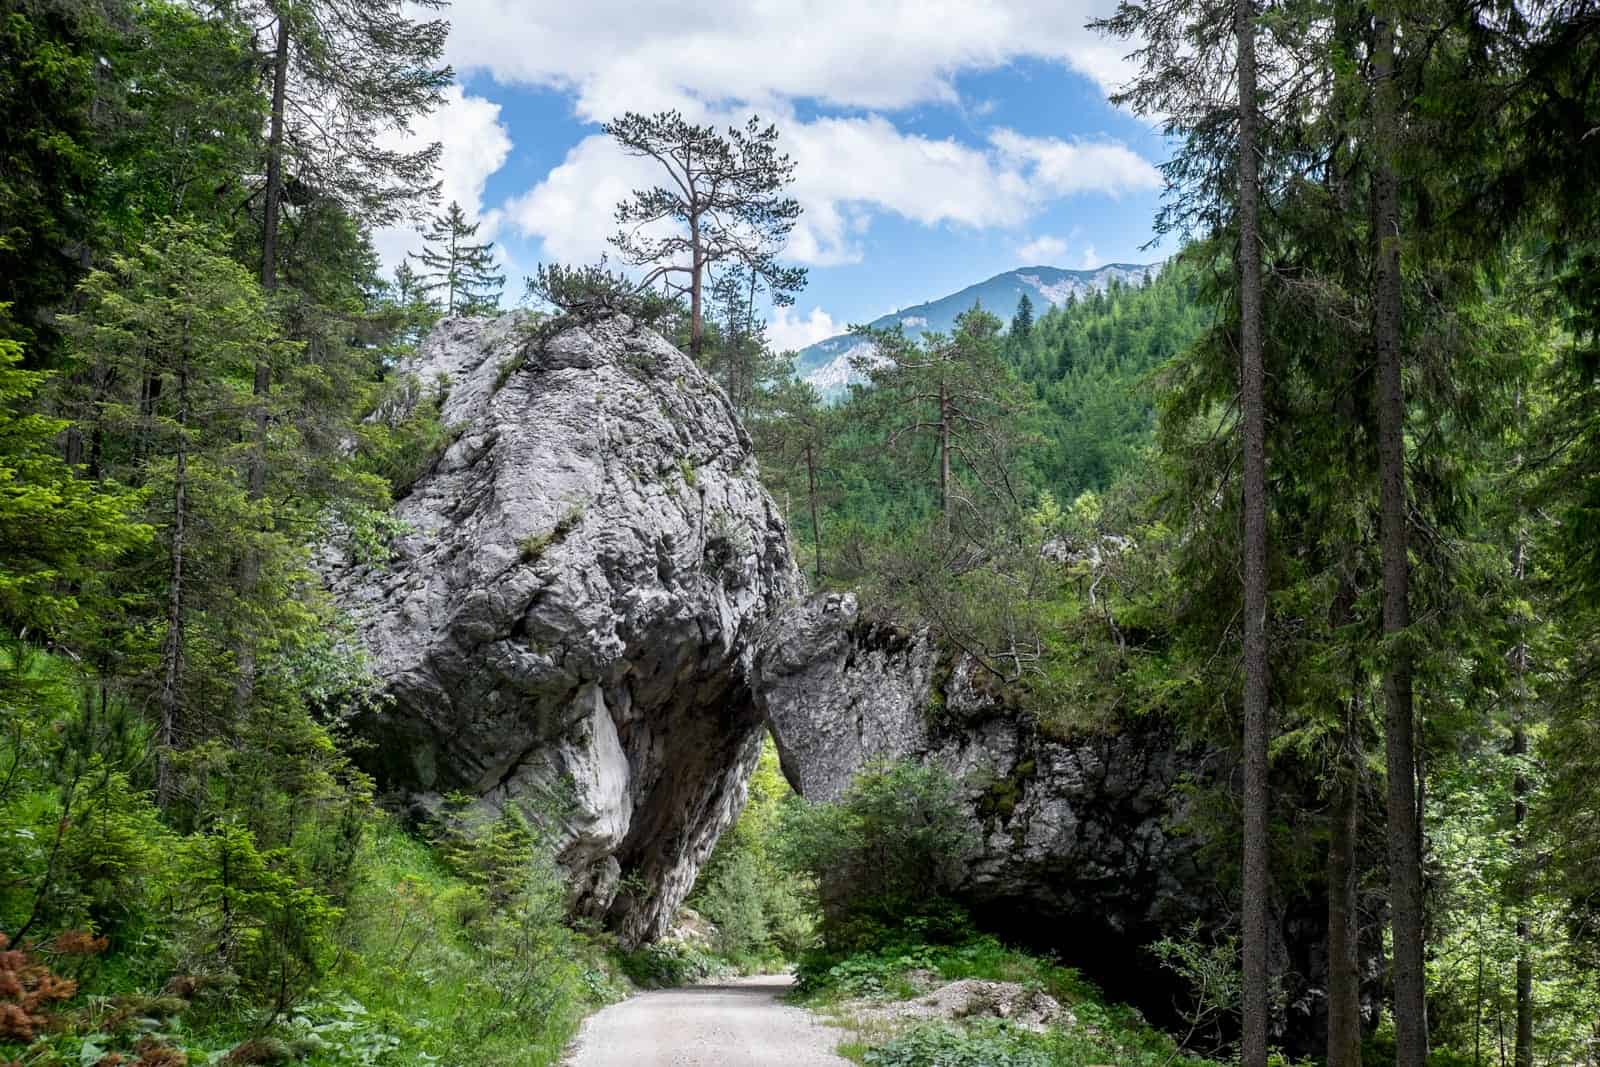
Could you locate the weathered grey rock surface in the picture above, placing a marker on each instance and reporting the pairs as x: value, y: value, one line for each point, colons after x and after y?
x: 1083, y: 830
x: 568, y: 622
x: 1085, y: 841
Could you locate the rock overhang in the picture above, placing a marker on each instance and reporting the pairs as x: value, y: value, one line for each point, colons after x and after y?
x: 567, y: 623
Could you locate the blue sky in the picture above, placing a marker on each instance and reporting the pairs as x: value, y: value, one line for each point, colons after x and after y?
x: 938, y: 142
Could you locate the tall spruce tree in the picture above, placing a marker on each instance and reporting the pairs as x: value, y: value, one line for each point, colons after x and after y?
x: 1199, y: 68
x: 464, y: 272
x: 180, y: 328
x: 1252, y: 403
x: 342, y: 77
x: 1400, y: 729
x: 1022, y: 321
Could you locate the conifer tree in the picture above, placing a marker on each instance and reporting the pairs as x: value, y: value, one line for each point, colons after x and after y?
x: 179, y: 329
x: 797, y: 433
x: 342, y: 75
x: 1252, y: 401
x: 60, y: 531
x: 1022, y: 321
x: 453, y: 265
x: 957, y: 394
x: 724, y: 203
x: 1199, y: 67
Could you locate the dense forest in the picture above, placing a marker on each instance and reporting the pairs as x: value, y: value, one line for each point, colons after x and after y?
x: 1324, y: 494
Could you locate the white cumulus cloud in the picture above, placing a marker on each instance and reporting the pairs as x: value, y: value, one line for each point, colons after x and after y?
x: 789, y: 331
x: 1059, y: 167
x: 616, y: 55
x: 474, y: 144
x: 847, y: 170
x: 571, y: 210
x: 1042, y: 251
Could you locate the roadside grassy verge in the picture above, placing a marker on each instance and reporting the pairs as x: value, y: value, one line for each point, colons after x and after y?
x: 433, y: 964
x: 1092, y: 1032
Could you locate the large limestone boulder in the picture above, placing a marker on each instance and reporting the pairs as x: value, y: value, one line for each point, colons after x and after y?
x: 567, y: 623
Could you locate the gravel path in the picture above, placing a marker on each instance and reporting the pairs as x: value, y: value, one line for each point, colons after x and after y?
x: 741, y: 1022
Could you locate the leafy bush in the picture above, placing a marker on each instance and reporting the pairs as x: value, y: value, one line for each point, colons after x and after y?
x: 667, y: 964
x: 433, y: 972
x: 979, y: 1045
x: 1101, y: 1034
x: 885, y: 856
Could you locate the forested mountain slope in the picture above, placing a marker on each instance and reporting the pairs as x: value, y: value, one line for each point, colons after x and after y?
x: 826, y: 364
x: 1089, y: 370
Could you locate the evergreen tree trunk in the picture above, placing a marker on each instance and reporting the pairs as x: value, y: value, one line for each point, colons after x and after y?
x: 1344, y: 927
x: 944, y: 456
x: 1523, y: 1056
x: 1404, y: 824
x: 249, y: 566
x: 1253, y: 403
x: 274, y: 190
x: 169, y: 696
x: 816, y: 526
x: 450, y: 279
x: 269, y: 244
x: 1524, y: 1045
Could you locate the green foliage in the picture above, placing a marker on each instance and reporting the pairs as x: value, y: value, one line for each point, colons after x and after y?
x: 944, y: 1045
x: 59, y: 530
x: 52, y: 166
x: 405, y: 434
x: 1101, y: 1033
x: 434, y: 971
x: 761, y: 909
x: 885, y: 856
x: 1211, y: 970
x: 668, y: 964
x: 590, y: 292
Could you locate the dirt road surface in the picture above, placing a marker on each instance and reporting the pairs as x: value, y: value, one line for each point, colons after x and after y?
x: 741, y: 1022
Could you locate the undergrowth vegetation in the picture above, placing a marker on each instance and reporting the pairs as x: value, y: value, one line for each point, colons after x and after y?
x: 883, y: 861
x: 759, y: 905
x: 280, y: 925
x: 1094, y: 1033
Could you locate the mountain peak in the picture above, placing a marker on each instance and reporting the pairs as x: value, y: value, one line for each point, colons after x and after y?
x: 826, y: 364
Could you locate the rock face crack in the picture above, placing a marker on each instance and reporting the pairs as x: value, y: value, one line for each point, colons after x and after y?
x: 592, y: 672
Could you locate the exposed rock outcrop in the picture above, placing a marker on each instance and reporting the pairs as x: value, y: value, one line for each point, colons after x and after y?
x: 1085, y: 845
x: 568, y: 622
x: 1082, y: 831
x: 1025, y: 1007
